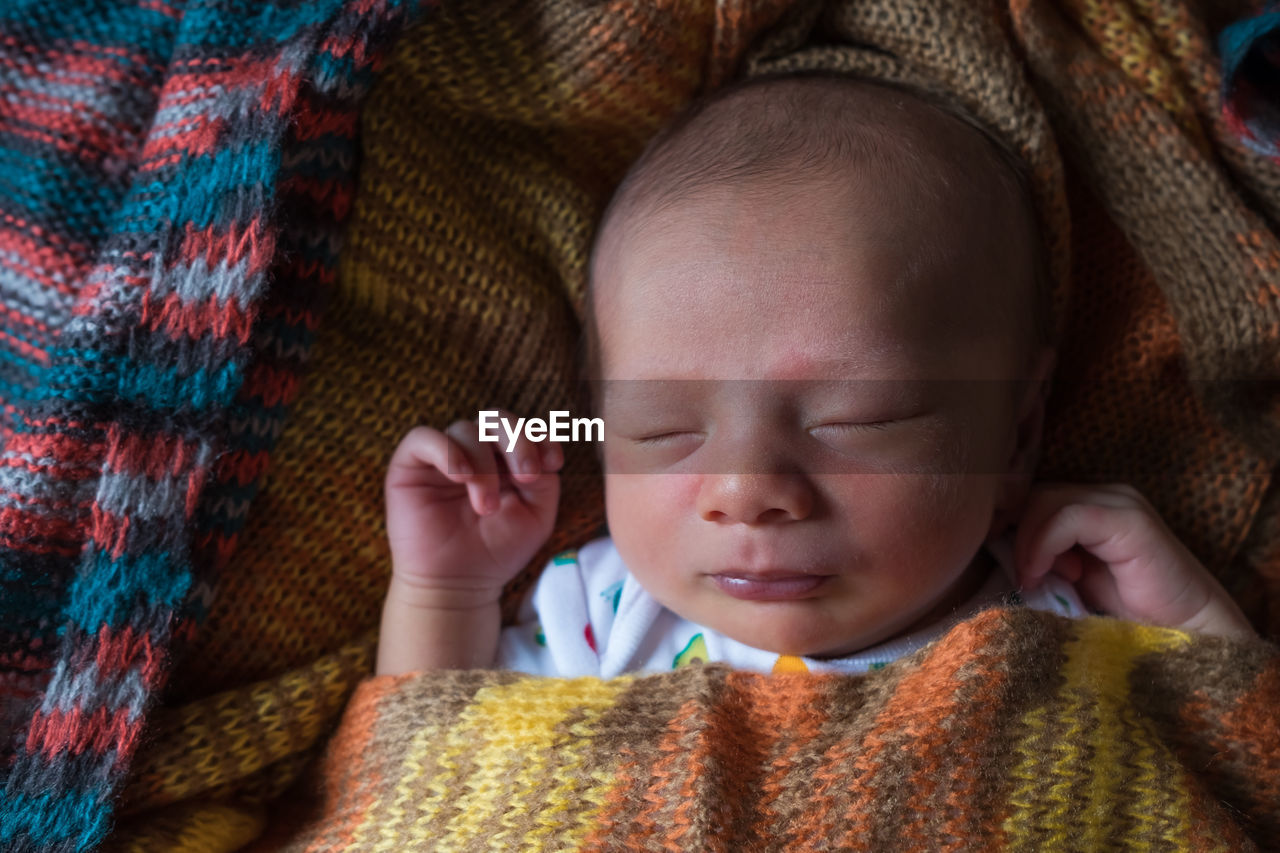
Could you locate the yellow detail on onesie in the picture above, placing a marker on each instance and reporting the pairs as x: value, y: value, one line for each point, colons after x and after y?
x: 789, y: 663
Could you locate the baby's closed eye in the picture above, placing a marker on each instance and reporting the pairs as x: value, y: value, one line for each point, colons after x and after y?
x: 841, y: 428
x: 665, y: 436
x: 839, y: 431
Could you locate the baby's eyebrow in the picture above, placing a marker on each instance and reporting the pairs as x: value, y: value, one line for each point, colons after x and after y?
x: 643, y: 391
x: 845, y: 367
x: 650, y: 393
x: 884, y: 362
x: 874, y: 356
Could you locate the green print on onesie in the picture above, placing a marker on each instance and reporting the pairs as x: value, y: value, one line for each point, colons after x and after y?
x: 612, y: 594
x: 694, y: 652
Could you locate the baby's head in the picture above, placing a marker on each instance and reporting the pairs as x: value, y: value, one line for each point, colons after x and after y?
x: 814, y: 306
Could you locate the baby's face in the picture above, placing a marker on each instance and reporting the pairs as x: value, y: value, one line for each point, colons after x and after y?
x: 807, y: 420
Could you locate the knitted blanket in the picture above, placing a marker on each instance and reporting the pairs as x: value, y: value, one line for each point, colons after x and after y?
x: 1018, y: 730
x: 174, y: 177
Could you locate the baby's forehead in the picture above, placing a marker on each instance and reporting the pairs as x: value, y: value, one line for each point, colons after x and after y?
x: 700, y: 301
x: 922, y: 182
x: 907, y: 242
x: 791, y: 129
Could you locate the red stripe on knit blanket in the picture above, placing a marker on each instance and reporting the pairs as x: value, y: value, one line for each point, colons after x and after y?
x: 352, y: 784
x: 100, y: 731
x: 1253, y: 773
x: 922, y: 700
x: 794, y: 714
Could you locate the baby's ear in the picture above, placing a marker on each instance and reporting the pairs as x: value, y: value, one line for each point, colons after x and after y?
x: 1024, y: 452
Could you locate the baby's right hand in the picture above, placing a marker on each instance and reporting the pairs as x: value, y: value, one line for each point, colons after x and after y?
x: 463, y: 517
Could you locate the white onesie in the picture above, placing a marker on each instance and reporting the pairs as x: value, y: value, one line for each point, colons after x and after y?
x: 589, y: 616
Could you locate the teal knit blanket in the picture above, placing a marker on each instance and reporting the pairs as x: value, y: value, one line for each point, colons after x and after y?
x: 173, y: 176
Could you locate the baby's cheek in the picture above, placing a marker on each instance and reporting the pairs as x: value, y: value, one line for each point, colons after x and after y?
x: 933, y: 510
x: 648, y: 516
x: 633, y: 488
x: 642, y: 507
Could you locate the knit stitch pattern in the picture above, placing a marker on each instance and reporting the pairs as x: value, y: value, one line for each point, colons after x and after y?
x: 173, y: 179
x: 467, y: 258
x: 1018, y: 730
x: 489, y: 146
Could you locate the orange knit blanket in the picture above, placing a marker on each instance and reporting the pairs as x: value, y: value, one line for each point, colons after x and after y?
x: 1018, y: 730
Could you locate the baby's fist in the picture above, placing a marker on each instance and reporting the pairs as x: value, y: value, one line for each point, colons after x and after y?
x: 464, y: 516
x: 1114, y: 547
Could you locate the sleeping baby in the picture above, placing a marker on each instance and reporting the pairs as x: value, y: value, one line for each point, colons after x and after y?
x: 817, y: 338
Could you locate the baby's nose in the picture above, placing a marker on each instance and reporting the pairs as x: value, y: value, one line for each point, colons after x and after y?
x: 755, y: 498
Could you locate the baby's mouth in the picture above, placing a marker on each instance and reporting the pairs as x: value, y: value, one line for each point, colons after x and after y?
x: 769, y: 586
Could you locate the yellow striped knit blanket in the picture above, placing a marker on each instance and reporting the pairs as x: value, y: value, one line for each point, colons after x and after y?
x: 1018, y: 730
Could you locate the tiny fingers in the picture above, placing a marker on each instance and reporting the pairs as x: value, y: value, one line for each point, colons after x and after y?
x: 515, y: 464
x: 528, y: 461
x: 422, y: 450
x: 1053, y: 536
x: 522, y: 457
x: 1065, y: 525
x: 552, y: 456
x: 1098, y: 589
x: 475, y: 464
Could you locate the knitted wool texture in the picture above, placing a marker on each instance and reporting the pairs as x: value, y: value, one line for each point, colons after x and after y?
x: 466, y: 260
x: 1018, y: 730
x: 490, y: 147
x: 161, y: 164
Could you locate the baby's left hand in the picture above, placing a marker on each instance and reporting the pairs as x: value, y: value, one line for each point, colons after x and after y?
x: 1110, y: 543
